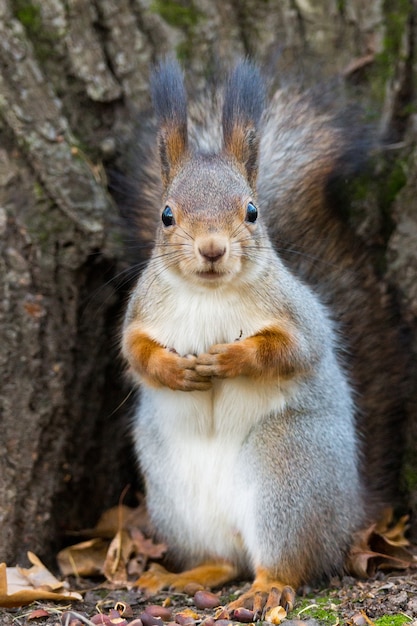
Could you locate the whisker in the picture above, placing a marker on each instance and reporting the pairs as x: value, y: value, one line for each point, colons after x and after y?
x: 185, y: 235
x: 163, y: 267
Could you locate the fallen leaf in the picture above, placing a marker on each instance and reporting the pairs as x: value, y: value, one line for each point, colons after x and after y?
x: 393, y: 533
x: 381, y: 546
x: 112, y: 520
x: 38, y: 575
x: 19, y: 586
x: 118, y: 518
x: 117, y: 558
x: 38, y: 613
x: 136, y: 566
x: 125, y: 556
x: 83, y: 559
x: 147, y: 546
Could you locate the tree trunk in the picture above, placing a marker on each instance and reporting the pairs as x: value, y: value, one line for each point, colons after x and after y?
x: 73, y: 74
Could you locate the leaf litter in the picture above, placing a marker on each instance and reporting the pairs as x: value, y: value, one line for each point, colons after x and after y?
x: 119, y: 549
x: 20, y: 586
x: 120, y: 546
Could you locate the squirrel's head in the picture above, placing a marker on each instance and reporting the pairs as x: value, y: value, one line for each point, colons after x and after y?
x: 209, y: 217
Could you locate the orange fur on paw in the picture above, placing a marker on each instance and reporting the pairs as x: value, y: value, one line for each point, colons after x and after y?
x: 265, y: 594
x: 270, y: 353
x: 158, y: 366
x: 207, y: 575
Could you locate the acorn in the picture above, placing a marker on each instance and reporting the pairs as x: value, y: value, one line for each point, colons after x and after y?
x: 206, y: 600
x: 159, y: 611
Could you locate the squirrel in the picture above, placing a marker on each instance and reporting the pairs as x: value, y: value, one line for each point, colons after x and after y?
x: 269, y: 420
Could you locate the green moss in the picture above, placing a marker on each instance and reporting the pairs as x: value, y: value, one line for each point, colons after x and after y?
x: 324, y: 610
x: 38, y: 191
x: 183, y: 50
x: 394, y: 182
x: 396, y: 16
x: 386, y: 185
x: 390, y: 181
x: 28, y: 15
x: 393, y: 620
x: 359, y: 188
x: 180, y: 14
x: 410, y: 478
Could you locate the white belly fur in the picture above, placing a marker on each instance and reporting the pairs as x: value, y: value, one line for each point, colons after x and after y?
x: 193, y: 323
x: 202, y: 432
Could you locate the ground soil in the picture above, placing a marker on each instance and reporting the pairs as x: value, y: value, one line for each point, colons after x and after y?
x: 387, y: 600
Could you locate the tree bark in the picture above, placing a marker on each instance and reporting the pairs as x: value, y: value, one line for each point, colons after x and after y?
x: 73, y: 75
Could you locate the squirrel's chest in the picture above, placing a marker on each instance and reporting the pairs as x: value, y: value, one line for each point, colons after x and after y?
x: 191, y: 323
x: 191, y: 326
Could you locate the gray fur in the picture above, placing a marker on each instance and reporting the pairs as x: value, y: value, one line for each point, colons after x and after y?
x: 290, y: 497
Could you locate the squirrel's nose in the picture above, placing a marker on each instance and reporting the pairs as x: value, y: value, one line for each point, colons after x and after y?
x: 212, y: 249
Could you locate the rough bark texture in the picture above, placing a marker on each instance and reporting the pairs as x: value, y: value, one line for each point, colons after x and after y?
x: 73, y: 73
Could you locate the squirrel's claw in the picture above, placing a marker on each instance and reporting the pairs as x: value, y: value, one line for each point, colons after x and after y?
x: 178, y: 373
x: 261, y: 601
x: 193, y: 381
x: 221, y: 361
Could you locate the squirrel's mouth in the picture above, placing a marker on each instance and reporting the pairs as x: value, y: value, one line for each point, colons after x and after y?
x: 210, y: 275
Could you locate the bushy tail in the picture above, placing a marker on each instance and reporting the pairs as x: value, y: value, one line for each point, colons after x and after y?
x: 308, y: 156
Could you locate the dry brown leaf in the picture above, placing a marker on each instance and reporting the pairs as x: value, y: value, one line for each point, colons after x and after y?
x: 393, y: 534
x: 37, y: 613
x: 146, y: 546
x: 139, y: 518
x: 83, y: 559
x: 118, y: 518
x: 381, y: 546
x: 108, y: 524
x: 112, y: 520
x: 136, y: 566
x: 125, y: 555
x: 117, y: 559
x: 19, y: 586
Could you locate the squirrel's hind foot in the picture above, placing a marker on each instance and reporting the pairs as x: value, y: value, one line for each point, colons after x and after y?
x: 211, y: 574
x: 264, y: 596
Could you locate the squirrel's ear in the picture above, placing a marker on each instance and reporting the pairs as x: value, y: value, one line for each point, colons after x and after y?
x: 244, y: 102
x: 170, y: 104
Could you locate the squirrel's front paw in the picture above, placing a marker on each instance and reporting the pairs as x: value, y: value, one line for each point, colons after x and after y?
x: 225, y: 360
x: 179, y: 373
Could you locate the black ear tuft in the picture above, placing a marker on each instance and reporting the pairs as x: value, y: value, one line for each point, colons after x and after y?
x: 168, y: 93
x: 244, y: 102
x: 244, y: 99
x: 170, y: 103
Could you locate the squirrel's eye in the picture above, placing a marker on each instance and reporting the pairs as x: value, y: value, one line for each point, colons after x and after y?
x: 167, y: 216
x: 251, y: 213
